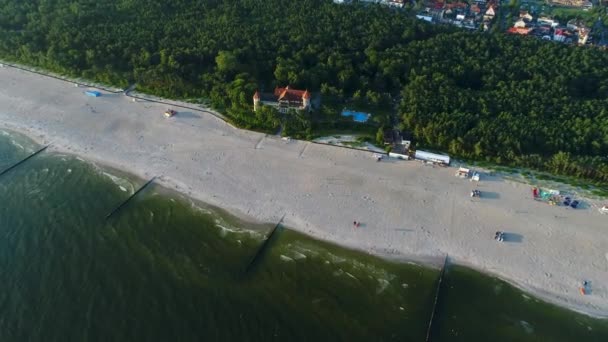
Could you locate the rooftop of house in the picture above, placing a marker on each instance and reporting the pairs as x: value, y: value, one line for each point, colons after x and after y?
x: 455, y: 5
x: 288, y: 94
x: 291, y: 94
x: 520, y: 30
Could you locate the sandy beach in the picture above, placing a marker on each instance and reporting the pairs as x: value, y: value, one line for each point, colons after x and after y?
x: 406, y: 209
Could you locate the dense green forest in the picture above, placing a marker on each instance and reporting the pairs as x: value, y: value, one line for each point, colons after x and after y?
x: 491, y: 97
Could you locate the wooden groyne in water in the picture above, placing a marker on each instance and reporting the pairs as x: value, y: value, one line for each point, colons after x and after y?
x: 263, y: 246
x: 437, y: 293
x: 23, y: 160
x: 117, y: 209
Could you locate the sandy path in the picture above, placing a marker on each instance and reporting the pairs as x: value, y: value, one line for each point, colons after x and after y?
x: 407, y: 209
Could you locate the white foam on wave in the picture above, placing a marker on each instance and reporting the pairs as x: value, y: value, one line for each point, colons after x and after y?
x: 350, y: 275
x: 298, y: 256
x: 383, y: 284
x: 123, y: 184
x: 528, y: 328
x: 285, y: 258
x: 16, y: 144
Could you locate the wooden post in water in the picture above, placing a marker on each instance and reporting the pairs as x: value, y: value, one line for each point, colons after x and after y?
x: 263, y: 247
x: 430, y: 326
x: 129, y: 199
x: 23, y: 160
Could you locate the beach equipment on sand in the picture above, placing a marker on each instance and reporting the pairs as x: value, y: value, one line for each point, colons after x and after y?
x: 535, y: 192
x: 92, y: 93
x: 499, y: 236
x: 169, y: 113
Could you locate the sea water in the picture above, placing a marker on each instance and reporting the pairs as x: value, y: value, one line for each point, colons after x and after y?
x: 165, y: 268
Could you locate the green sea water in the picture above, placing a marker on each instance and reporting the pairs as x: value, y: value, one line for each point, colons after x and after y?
x: 167, y: 269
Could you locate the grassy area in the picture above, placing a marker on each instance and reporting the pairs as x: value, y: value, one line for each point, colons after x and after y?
x: 363, y: 131
x: 563, y: 14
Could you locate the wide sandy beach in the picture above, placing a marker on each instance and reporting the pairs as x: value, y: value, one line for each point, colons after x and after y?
x: 406, y: 209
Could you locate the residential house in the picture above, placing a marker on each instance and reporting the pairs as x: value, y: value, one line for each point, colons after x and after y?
x: 490, y: 13
x: 520, y: 23
x: 520, y: 30
x: 426, y: 16
x: 392, y: 137
x: 474, y: 9
x: 395, y: 3
x: 547, y: 21
x: 572, y: 3
x: 469, y: 24
x: 559, y: 35
x: 575, y: 24
x: 283, y: 99
x: 583, y: 35
x: 525, y: 16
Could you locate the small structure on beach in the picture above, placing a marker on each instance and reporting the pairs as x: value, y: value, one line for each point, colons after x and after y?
x: 432, y: 157
x: 93, y: 93
x: 399, y: 155
x: 475, y: 177
x: 463, y: 172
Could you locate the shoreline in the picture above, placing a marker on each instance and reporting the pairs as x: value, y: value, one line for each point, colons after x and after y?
x: 321, y: 188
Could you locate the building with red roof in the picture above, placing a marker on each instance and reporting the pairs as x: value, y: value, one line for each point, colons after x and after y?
x: 520, y: 30
x: 283, y: 99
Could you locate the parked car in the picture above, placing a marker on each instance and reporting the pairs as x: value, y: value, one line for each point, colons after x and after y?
x: 499, y: 236
x: 574, y: 204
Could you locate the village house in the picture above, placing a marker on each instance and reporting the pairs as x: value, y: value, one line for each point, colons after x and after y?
x: 572, y: 3
x: 520, y: 30
x: 283, y: 99
x: 547, y: 21
x: 395, y: 3
x: 475, y: 10
x: 520, y: 23
x: 490, y: 13
x: 525, y: 16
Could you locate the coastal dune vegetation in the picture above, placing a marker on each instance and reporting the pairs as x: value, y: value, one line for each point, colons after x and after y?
x: 488, y: 97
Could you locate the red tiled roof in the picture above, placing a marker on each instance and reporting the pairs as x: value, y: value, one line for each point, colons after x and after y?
x: 456, y: 5
x: 520, y: 30
x: 290, y: 94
